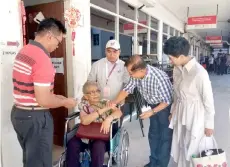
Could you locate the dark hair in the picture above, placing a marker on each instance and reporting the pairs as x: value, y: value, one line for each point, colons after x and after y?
x: 136, y: 61
x: 176, y: 46
x: 51, y: 24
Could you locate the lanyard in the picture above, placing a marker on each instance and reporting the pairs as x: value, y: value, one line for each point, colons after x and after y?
x: 108, y: 75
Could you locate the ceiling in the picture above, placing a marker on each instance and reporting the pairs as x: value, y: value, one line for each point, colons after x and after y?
x: 201, y: 8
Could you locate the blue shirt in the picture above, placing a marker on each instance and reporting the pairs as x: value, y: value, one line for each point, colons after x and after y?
x: 155, y: 87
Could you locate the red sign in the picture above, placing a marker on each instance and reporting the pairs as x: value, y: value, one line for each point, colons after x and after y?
x: 129, y: 28
x: 213, y: 39
x: 10, y: 43
x: 202, y: 22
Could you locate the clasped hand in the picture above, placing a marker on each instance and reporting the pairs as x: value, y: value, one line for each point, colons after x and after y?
x: 105, y: 127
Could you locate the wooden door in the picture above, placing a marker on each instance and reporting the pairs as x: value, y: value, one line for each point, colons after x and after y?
x: 55, y: 10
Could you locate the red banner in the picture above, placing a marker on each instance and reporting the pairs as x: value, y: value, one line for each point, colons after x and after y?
x: 129, y: 28
x: 202, y: 22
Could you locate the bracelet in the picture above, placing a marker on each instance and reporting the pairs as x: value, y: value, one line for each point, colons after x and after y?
x: 99, y: 115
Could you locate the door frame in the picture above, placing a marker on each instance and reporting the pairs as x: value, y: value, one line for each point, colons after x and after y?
x: 58, y: 140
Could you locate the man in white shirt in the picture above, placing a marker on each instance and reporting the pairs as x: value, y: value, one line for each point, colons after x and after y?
x: 211, y: 63
x: 110, y: 72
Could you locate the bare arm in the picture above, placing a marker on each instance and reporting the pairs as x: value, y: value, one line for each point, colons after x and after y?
x: 160, y: 107
x: 128, y: 88
x: 87, y: 119
x: 47, y: 99
x: 121, y: 96
x: 116, y: 114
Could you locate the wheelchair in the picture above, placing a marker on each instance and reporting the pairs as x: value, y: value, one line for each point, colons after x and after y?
x: 118, y: 142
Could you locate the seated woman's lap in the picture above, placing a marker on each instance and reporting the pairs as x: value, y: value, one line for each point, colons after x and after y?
x: 75, y: 146
x: 97, y: 148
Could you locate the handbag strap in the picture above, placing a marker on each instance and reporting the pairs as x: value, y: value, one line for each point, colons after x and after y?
x: 214, y: 142
x: 86, y: 109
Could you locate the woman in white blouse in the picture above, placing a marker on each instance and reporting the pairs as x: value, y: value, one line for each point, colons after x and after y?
x: 192, y: 112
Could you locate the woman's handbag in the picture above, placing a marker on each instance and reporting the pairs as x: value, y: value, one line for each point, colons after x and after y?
x: 92, y: 132
x: 210, y: 158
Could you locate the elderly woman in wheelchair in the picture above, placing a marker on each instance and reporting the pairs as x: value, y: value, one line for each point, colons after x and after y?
x: 96, y: 111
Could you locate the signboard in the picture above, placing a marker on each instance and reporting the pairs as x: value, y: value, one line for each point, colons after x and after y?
x: 202, y: 22
x: 58, y: 65
x: 217, y: 45
x: 213, y: 39
x: 129, y: 28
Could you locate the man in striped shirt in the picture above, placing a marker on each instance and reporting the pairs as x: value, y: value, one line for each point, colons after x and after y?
x: 33, y: 81
x: 155, y: 87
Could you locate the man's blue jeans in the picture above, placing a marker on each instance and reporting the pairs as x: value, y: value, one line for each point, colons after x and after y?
x: 160, y: 138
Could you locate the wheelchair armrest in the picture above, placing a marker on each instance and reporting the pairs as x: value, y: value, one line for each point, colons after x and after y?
x: 115, y: 121
x: 72, y: 115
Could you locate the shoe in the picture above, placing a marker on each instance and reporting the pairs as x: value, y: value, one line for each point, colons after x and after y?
x: 148, y: 165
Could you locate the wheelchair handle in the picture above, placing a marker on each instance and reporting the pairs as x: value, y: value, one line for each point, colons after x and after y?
x: 72, y: 116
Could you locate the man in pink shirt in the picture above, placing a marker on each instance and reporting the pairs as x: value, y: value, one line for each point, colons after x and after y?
x: 33, y: 81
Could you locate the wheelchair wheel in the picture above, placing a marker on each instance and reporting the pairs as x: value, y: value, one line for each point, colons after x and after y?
x: 62, y: 162
x: 228, y: 70
x: 123, y: 149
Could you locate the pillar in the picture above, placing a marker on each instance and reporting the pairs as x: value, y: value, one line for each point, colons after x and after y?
x: 81, y: 62
x: 160, y: 41
x: 11, y: 152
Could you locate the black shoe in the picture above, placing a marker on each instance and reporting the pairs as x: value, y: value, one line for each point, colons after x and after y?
x: 148, y: 165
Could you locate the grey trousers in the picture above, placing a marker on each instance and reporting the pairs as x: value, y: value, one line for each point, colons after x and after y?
x: 34, y: 131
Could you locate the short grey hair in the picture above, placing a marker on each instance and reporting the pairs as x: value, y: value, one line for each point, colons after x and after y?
x: 87, y: 85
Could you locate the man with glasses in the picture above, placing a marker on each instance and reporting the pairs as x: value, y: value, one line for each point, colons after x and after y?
x: 155, y: 87
x: 33, y: 82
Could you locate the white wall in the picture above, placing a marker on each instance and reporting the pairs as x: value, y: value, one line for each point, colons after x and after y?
x: 11, y: 151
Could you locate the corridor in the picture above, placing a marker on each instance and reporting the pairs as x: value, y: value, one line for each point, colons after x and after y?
x: 139, y: 150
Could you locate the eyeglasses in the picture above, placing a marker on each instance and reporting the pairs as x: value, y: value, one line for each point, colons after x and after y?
x: 94, y: 92
x: 59, y: 42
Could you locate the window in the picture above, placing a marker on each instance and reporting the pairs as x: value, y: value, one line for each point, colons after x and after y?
x: 126, y: 10
x: 154, y: 23
x: 153, y: 42
x: 126, y: 37
x: 177, y: 33
x: 102, y: 30
x: 165, y: 28
x: 171, y: 31
x: 106, y: 4
x: 142, y: 18
x: 142, y: 41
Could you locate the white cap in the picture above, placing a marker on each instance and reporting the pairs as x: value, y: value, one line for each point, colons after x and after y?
x: 113, y: 44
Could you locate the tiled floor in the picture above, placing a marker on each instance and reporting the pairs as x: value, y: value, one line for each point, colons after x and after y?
x: 139, y: 150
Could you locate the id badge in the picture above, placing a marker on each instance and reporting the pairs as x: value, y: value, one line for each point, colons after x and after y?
x: 106, y: 91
